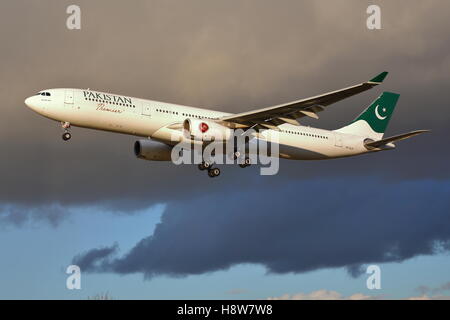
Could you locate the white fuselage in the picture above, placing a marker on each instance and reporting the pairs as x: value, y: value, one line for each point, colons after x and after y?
x: 147, y: 118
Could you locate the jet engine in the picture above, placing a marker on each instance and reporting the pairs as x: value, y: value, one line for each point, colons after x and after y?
x: 152, y: 150
x: 202, y: 130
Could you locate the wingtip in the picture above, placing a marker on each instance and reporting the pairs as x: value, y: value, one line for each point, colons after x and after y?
x: 421, y: 131
x: 379, y: 78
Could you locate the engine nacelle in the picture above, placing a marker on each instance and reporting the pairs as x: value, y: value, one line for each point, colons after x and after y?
x: 206, y: 130
x: 152, y: 150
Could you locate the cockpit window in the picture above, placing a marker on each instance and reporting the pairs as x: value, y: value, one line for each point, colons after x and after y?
x: 46, y: 94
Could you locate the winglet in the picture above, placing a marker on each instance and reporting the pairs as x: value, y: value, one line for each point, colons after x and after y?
x: 379, y: 78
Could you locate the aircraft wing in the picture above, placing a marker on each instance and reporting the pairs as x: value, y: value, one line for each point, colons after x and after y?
x: 272, y: 117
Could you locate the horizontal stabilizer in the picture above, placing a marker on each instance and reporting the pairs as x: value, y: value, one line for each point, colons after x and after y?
x: 383, y: 142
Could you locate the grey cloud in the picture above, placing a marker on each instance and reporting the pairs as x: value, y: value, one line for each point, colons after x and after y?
x: 442, y: 288
x: 23, y: 215
x: 311, y: 225
x: 237, y: 291
x: 426, y: 290
x: 356, y: 270
x: 89, y: 260
x: 324, y: 295
x: 423, y: 289
x: 425, y: 297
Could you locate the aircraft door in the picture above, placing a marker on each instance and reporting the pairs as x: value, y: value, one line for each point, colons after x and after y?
x: 338, y: 140
x: 146, y: 109
x: 68, y: 98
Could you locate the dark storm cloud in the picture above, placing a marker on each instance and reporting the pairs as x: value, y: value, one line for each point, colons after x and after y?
x: 232, y: 56
x: 89, y: 260
x: 356, y: 270
x: 311, y: 225
x: 22, y: 215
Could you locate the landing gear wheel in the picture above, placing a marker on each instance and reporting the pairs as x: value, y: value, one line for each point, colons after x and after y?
x: 215, y: 172
x: 205, y: 165
x: 66, y: 136
x: 66, y: 126
x: 201, y: 167
x: 247, y: 163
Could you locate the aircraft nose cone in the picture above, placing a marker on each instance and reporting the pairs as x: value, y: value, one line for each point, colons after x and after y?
x: 28, y: 102
x: 31, y: 102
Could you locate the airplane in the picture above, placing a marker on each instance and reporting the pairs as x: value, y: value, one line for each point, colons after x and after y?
x: 158, y: 122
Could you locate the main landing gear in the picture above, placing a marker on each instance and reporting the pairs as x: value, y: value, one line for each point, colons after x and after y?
x: 247, y: 162
x: 212, y: 172
x: 215, y: 172
x: 66, y: 135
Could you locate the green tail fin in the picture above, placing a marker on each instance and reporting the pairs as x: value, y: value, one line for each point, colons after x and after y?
x: 378, y: 114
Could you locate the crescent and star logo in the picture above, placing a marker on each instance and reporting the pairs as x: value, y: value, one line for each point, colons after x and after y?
x: 377, y: 114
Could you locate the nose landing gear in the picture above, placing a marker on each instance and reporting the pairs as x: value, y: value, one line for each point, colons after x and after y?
x: 66, y: 135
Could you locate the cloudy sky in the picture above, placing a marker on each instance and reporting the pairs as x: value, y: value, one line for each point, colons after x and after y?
x: 152, y: 230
